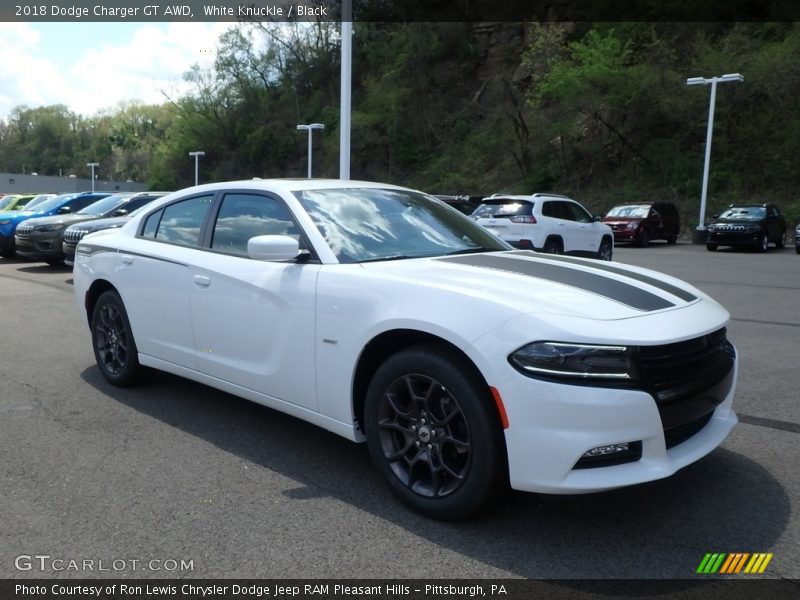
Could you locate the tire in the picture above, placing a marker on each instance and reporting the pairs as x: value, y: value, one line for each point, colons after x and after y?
x: 606, y: 250
x: 672, y: 239
x: 10, y: 251
x: 55, y: 262
x: 113, y: 343
x: 763, y: 243
x: 553, y: 246
x: 434, y: 433
x: 711, y: 246
x: 781, y: 243
x: 644, y: 239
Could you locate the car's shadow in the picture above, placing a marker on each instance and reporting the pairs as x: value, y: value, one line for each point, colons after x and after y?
x: 726, y: 500
x: 45, y: 268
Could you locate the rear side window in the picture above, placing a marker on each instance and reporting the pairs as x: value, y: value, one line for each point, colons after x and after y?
x: 503, y: 208
x: 182, y: 221
x: 556, y: 209
x: 575, y: 212
x: 243, y: 216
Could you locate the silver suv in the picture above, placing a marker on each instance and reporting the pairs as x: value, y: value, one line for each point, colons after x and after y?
x: 546, y: 223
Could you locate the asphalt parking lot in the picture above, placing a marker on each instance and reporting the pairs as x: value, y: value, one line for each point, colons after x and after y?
x: 174, y: 472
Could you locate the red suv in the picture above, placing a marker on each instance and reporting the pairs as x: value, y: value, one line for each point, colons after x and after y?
x: 640, y: 223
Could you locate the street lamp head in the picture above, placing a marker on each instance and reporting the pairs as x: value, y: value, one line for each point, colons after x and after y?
x: 697, y: 81
x: 197, y: 153
x: 733, y: 77
x: 317, y: 126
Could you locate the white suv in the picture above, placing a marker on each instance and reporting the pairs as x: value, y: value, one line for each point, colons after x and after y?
x: 547, y: 223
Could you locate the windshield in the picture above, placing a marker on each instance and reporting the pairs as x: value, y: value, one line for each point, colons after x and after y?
x: 101, y: 207
x: 377, y: 224
x: 636, y: 212
x: 37, y: 200
x: 502, y: 208
x: 745, y: 213
x: 53, y: 203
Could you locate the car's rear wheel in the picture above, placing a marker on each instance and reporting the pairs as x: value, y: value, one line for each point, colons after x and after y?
x: 711, y: 246
x: 673, y: 238
x: 781, y: 243
x: 434, y: 433
x: 763, y: 243
x: 553, y: 246
x: 112, y: 339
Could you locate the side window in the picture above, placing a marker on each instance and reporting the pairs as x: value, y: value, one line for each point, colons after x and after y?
x: 137, y: 203
x: 577, y: 212
x: 243, y: 216
x: 182, y: 221
x: 151, y: 224
x: 550, y: 209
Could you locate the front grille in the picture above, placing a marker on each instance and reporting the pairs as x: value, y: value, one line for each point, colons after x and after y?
x: 688, y: 379
x: 24, y: 230
x: 731, y: 228
x: 73, y: 236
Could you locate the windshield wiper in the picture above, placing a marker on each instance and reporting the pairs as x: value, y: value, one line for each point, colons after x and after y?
x: 395, y: 257
x: 470, y: 250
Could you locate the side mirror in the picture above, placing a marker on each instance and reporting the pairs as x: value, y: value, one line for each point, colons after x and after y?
x: 120, y: 212
x: 273, y: 247
x: 715, y: 216
x: 64, y: 210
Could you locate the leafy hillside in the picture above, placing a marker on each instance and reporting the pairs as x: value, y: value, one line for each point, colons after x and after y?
x: 599, y: 111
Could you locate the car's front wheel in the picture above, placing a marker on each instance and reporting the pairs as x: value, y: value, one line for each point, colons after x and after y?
x: 434, y: 433
x: 711, y: 246
x: 763, y: 243
x: 112, y: 339
x: 606, y: 250
x: 781, y: 243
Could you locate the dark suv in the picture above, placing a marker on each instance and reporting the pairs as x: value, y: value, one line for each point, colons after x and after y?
x: 752, y: 225
x: 640, y: 223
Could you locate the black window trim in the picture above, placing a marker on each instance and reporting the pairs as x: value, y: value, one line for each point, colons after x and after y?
x: 207, y: 227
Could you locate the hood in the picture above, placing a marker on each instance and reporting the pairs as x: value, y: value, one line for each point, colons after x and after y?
x: 108, y: 223
x: 620, y: 220
x: 545, y: 284
x: 67, y: 219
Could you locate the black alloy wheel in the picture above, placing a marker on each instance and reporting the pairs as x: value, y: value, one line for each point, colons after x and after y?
x: 711, y: 246
x: 781, y: 243
x: 433, y: 431
x: 644, y: 239
x: 112, y: 340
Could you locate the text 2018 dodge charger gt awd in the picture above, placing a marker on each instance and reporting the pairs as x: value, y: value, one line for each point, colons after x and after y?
x: 383, y: 315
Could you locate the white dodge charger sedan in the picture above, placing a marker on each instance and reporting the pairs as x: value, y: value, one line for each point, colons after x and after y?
x: 383, y: 315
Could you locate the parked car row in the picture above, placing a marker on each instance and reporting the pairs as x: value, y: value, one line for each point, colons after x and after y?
x: 559, y: 225
x: 41, y: 231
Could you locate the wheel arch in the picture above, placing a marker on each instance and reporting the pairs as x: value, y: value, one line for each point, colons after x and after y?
x: 384, y: 345
x: 93, y: 293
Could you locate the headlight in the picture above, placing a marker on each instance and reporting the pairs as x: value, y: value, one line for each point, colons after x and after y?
x: 574, y: 361
x: 633, y: 224
x: 712, y: 228
x: 753, y: 229
x: 5, y: 222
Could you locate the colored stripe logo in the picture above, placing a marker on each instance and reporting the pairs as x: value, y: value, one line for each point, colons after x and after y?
x: 734, y: 563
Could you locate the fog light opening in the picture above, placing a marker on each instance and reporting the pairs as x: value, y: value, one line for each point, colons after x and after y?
x: 610, y: 454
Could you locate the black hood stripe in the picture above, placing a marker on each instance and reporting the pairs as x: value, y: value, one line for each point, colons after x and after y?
x: 619, y: 291
x: 604, y: 266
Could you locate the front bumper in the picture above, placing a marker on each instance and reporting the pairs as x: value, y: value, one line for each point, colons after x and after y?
x: 733, y: 239
x: 39, y: 248
x: 6, y: 242
x: 626, y: 235
x: 553, y: 425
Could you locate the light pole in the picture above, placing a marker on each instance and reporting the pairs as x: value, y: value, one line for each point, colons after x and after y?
x: 197, y: 154
x: 345, y: 88
x: 310, y: 128
x: 93, y: 165
x: 701, y: 227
